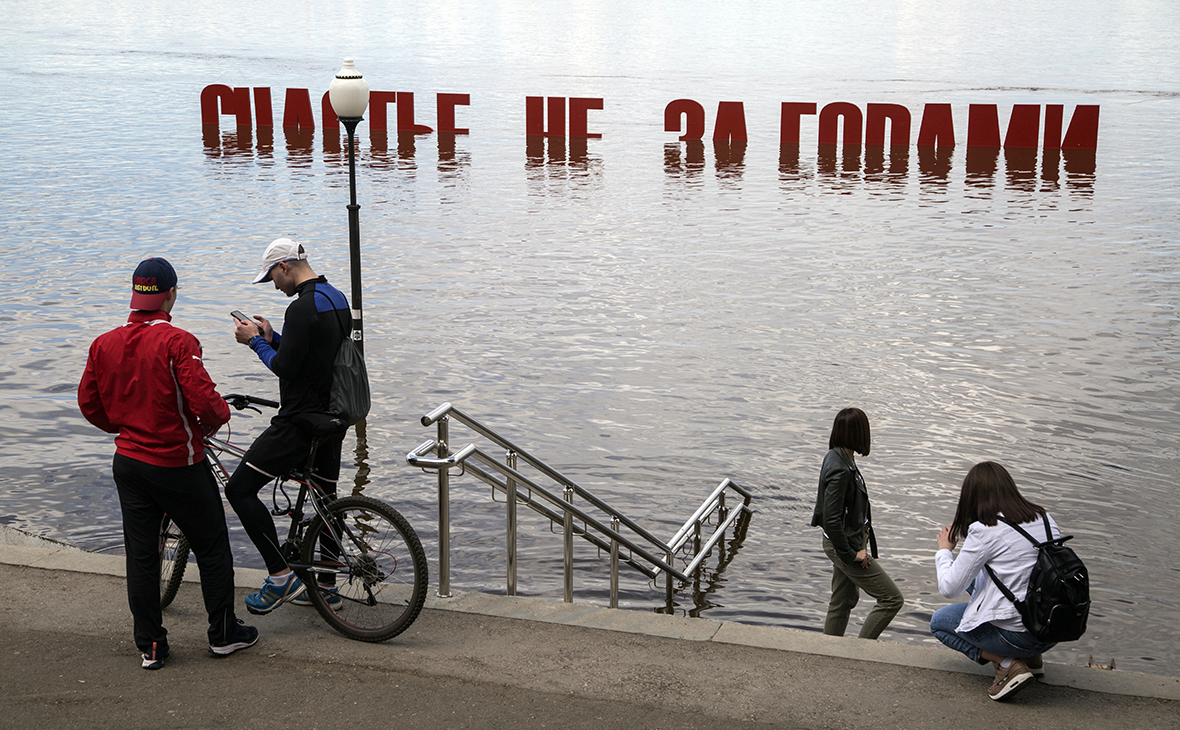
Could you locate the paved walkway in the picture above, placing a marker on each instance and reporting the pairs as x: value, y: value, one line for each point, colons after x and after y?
x: 484, y: 661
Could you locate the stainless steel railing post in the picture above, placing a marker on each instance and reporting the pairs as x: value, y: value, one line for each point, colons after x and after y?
x: 444, y: 512
x: 669, y: 557
x: 511, y: 461
x: 614, y: 564
x: 569, y: 548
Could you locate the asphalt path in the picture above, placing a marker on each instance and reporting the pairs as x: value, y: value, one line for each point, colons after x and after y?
x: 69, y: 662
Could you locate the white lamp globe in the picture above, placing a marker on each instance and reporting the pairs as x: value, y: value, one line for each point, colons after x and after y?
x: 349, y: 92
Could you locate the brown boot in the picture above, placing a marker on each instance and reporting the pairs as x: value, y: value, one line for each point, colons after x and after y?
x: 1010, y: 681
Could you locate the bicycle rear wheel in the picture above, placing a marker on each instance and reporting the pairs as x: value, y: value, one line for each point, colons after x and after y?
x: 375, y: 560
x: 174, y: 552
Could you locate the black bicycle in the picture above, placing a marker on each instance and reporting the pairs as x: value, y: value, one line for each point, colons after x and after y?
x: 174, y: 552
x: 361, y: 562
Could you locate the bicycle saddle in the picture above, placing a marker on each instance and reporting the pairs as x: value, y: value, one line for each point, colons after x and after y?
x: 319, y: 425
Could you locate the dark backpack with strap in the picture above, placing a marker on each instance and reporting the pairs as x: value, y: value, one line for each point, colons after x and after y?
x: 349, y: 398
x: 1058, y: 600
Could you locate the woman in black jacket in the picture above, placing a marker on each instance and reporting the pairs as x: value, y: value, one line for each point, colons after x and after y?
x: 842, y: 510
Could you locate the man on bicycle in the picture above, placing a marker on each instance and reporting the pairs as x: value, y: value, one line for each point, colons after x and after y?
x: 302, y: 356
x: 145, y: 382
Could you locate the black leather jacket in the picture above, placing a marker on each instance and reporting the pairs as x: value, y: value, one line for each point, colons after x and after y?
x: 842, y: 506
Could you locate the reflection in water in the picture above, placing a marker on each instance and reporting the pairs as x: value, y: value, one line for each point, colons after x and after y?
x: 838, y: 167
x: 709, y: 581
x: 934, y: 164
x: 1080, y: 167
x: 981, y: 166
x: 560, y: 160
x: 731, y: 158
x: 684, y: 162
x: 1021, y: 167
x: 360, y: 460
x: 897, y: 171
x: 299, y: 146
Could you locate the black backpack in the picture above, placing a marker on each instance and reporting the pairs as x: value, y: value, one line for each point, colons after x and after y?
x: 1058, y: 600
x: 349, y: 397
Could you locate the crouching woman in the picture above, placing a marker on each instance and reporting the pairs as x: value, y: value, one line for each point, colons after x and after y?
x: 988, y: 628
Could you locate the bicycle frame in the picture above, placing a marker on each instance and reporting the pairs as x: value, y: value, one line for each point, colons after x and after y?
x: 349, y: 548
x: 309, y: 492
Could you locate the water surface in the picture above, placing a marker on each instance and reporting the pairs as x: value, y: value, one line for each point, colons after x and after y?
x: 647, y: 315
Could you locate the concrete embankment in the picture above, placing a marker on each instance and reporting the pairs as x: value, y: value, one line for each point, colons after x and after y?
x: 478, y: 660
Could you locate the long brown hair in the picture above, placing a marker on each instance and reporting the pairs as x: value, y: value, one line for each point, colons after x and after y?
x: 988, y: 490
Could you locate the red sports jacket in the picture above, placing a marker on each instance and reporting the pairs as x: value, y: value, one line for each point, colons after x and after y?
x: 145, y: 381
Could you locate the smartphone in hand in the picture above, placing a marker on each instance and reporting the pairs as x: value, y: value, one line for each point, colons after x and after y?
x: 241, y: 317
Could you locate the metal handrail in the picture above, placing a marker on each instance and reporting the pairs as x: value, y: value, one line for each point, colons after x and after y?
x: 449, y: 411
x: 415, y: 459
x: 505, y: 477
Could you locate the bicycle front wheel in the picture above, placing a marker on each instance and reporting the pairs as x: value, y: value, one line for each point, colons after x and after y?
x: 174, y: 552
x: 376, y: 562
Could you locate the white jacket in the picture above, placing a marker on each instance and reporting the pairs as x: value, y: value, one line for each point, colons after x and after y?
x: 1009, y: 554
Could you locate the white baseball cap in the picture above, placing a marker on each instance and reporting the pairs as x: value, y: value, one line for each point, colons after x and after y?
x: 279, y: 251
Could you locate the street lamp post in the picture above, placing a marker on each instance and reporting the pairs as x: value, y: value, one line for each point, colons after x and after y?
x: 349, y: 95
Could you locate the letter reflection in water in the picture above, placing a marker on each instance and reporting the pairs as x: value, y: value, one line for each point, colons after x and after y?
x: 731, y: 158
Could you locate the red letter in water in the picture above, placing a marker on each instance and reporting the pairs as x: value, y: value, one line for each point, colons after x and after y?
x: 829, y: 119
x: 233, y: 101
x: 789, y: 125
x: 1023, y: 126
x: 983, y: 126
x: 938, y: 126
x: 1083, y: 129
x: 378, y: 109
x: 694, y: 119
x: 405, y: 115
x: 899, y: 129
x: 297, y: 110
x: 328, y: 115
x: 578, y: 124
x: 262, y: 107
x: 446, y: 112
x: 731, y: 122
x: 534, y: 116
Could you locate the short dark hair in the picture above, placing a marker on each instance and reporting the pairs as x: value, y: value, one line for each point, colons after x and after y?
x: 850, y: 430
x: 989, y: 490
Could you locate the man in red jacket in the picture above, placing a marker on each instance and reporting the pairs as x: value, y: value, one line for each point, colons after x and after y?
x: 145, y: 382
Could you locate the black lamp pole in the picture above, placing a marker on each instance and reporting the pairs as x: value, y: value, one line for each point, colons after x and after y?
x: 354, y: 233
x: 349, y: 96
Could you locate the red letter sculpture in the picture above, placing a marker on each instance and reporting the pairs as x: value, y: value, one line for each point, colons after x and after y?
x: 694, y: 119
x: 731, y: 122
x: 446, y: 112
x: 578, y: 109
x: 899, y: 125
x: 534, y: 116
x: 829, y: 119
x: 938, y: 126
x: 789, y: 124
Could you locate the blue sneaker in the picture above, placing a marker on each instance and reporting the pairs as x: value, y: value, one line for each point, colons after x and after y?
x: 243, y: 637
x: 331, y: 594
x: 273, y: 594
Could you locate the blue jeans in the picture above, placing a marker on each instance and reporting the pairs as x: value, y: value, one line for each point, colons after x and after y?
x: 986, y: 637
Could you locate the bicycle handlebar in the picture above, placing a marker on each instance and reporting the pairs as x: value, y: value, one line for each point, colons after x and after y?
x: 240, y: 402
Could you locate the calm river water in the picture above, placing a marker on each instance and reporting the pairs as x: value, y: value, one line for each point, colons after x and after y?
x: 648, y: 315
